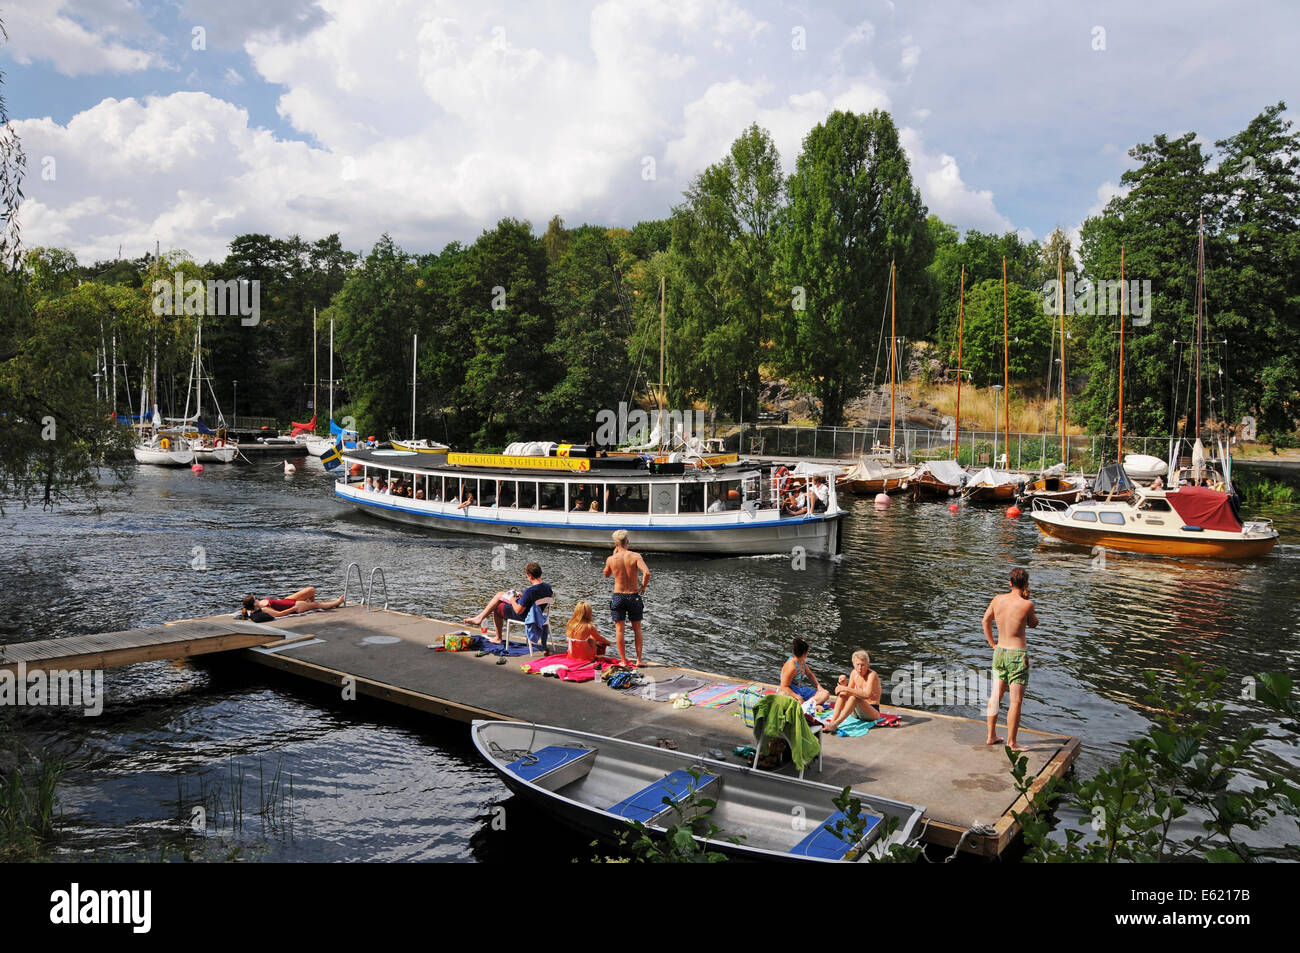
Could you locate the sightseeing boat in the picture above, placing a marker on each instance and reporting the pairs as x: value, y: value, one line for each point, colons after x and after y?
x: 712, y: 504
x: 1187, y: 521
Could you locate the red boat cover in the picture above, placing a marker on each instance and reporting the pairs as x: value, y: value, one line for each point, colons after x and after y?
x: 1204, y: 507
x: 303, y: 428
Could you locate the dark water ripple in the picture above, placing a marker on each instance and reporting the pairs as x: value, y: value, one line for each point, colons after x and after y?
x: 377, y: 785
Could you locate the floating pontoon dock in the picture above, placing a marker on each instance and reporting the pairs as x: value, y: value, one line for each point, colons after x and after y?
x: 936, y: 760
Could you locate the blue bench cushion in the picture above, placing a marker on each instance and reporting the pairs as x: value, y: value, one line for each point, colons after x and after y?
x: 545, y: 760
x: 822, y: 843
x: 648, y: 803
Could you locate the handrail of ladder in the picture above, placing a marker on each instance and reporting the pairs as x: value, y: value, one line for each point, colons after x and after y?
x: 370, y: 589
x: 347, y: 579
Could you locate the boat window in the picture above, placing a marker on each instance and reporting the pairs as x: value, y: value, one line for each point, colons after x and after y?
x: 629, y: 498
x: 692, y: 498
x: 663, y: 498
x: 724, y: 495
x: 580, y: 496
x: 503, y: 492
x: 551, y: 496
x: 527, y: 495
x: 452, y: 493
x: 1155, y: 506
x: 440, y: 489
x: 1110, y: 516
x: 1085, y: 516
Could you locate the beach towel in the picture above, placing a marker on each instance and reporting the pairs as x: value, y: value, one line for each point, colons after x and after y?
x: 660, y: 690
x: 702, y: 696
x: 779, y: 716
x: 855, y: 727
x: 727, y: 698
x: 533, y: 666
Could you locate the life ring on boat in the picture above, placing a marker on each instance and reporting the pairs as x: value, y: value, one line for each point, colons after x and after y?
x: 220, y: 443
x: 165, y: 444
x: 782, y: 477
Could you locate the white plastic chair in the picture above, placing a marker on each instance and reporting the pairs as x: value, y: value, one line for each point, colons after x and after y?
x: 539, y: 616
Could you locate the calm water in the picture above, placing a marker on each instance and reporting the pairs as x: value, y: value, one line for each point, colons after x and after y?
x: 371, y: 784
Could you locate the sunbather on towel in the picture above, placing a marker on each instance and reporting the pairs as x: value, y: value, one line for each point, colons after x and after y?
x: 585, y: 640
x: 859, y: 694
x: 797, y: 679
x: 304, y: 600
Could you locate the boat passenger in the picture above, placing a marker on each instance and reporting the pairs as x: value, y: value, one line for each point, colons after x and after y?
x: 585, y: 641
x: 717, y: 506
x: 511, y: 604
x: 1157, y: 484
x: 858, y: 694
x: 796, y: 504
x: 797, y: 679
x: 820, y: 495
x: 595, y: 506
x: 369, y: 485
x: 468, y: 501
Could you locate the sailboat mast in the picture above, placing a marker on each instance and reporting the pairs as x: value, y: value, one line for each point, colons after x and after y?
x: 961, y: 327
x: 198, y: 372
x: 415, y: 349
x: 1119, y: 456
x: 315, y: 374
x: 893, y: 361
x: 662, y: 324
x: 1200, y: 294
x: 1006, y: 379
x: 1060, y: 275
x: 331, y: 370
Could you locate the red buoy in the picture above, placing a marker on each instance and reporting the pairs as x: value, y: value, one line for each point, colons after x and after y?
x: 953, y: 507
x: 1013, y: 512
x: 196, y: 468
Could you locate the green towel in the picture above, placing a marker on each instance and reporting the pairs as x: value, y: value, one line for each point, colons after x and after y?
x: 780, y: 716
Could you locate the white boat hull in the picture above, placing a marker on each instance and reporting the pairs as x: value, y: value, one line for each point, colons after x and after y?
x: 732, y: 533
x: 157, y: 457
x: 224, y: 454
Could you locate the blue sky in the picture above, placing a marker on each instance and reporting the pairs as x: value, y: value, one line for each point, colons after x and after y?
x: 433, y: 120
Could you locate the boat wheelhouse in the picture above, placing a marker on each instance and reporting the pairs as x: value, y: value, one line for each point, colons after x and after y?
x: 711, y: 505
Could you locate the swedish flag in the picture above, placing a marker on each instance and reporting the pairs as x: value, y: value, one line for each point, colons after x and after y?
x: 331, y: 457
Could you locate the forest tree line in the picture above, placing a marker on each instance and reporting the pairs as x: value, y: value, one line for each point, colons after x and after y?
x: 525, y: 335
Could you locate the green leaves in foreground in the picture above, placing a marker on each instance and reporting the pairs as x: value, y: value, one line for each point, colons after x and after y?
x: 1183, y: 767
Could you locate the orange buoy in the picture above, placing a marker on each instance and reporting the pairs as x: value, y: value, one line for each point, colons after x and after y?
x: 953, y: 507
x: 356, y: 469
x: 1013, y: 512
x: 196, y: 468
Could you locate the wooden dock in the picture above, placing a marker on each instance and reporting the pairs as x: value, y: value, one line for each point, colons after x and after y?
x: 174, y: 640
x: 935, y: 760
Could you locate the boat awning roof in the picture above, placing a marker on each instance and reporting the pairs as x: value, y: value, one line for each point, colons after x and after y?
x: 990, y: 477
x: 436, y: 463
x: 947, y: 471
x: 1204, y: 507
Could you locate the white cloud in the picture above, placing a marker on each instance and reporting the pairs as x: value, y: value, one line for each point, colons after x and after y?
x: 42, y: 30
x: 938, y: 177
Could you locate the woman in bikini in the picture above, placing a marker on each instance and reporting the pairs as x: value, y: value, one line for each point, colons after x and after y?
x: 798, y: 680
x: 585, y: 641
x: 304, y: 600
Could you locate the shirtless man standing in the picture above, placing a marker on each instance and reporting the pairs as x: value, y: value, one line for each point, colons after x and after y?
x: 631, y: 576
x: 1013, y: 611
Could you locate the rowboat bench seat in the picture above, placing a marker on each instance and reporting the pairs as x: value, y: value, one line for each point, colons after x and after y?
x: 554, y: 766
x: 827, y: 845
x: 648, y: 807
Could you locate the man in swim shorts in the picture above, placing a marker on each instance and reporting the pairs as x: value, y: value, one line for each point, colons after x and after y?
x: 631, y: 576
x: 1013, y: 611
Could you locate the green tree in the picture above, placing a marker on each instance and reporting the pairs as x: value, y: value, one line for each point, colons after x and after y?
x: 724, y: 251
x: 852, y: 210
x: 1028, y: 331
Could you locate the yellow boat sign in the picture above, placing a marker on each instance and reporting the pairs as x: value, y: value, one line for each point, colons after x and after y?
x: 526, y: 463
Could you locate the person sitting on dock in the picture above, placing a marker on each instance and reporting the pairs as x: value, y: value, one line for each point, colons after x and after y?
x: 304, y: 600
x: 585, y: 641
x: 505, y: 606
x: 859, y: 694
x: 797, y: 679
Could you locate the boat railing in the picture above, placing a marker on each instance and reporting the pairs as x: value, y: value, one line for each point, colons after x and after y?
x: 370, y: 589
x: 347, y: 579
x: 1042, y: 504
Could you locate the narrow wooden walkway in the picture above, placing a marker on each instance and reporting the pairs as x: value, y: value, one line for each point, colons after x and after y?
x: 173, y: 640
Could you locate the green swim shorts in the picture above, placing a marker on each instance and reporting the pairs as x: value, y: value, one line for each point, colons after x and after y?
x: 1011, y: 666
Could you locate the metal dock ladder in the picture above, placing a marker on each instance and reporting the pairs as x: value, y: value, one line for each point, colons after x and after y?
x: 367, y: 590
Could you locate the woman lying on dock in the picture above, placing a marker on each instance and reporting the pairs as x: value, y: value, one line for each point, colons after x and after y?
x: 859, y: 694
x: 304, y: 600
